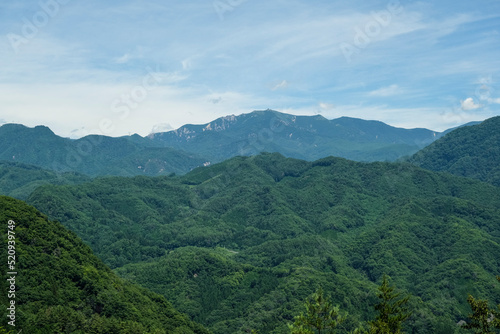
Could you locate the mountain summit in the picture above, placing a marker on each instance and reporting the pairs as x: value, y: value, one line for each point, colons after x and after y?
x: 303, y: 137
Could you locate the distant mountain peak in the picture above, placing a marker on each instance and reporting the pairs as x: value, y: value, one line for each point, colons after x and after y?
x: 303, y: 137
x: 39, y: 129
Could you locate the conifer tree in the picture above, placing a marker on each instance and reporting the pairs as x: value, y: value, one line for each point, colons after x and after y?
x: 392, y: 310
x: 321, y: 317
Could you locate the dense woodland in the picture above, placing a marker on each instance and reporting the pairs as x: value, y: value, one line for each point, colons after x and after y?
x: 469, y: 151
x: 240, y: 245
x: 62, y: 287
x: 20, y: 180
x: 258, y: 245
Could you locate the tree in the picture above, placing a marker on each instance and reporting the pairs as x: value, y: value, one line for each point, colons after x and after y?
x: 4, y: 331
x: 321, y: 316
x: 482, y: 320
x: 392, y: 310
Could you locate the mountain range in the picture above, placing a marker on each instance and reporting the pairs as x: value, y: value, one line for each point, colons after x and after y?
x: 181, y: 150
x: 92, y: 155
x: 302, y: 137
x: 238, y: 245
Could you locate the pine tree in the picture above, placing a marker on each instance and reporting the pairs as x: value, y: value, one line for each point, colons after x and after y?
x: 392, y: 310
x: 321, y: 317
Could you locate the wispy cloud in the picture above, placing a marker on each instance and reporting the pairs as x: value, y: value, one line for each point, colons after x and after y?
x: 386, y: 91
x: 469, y: 104
x: 282, y: 85
x: 263, y: 55
x: 123, y: 59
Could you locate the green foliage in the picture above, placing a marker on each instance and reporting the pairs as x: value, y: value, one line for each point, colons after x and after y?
x: 4, y: 331
x: 392, y: 310
x: 320, y: 317
x: 472, y: 151
x: 61, y: 287
x: 480, y: 318
x: 261, y: 232
x: 483, y: 320
x: 20, y: 180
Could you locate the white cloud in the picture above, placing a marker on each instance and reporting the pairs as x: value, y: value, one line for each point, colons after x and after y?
x: 162, y: 127
x: 386, y: 91
x: 281, y: 85
x: 123, y: 59
x: 469, y: 104
x: 326, y: 106
x: 71, y: 76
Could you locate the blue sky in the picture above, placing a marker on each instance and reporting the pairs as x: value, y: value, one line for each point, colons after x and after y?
x: 120, y: 67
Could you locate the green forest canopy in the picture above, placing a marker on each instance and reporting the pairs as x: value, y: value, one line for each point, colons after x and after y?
x: 240, y: 244
x: 62, y: 287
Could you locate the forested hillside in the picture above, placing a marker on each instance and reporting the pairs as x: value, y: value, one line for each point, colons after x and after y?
x: 241, y: 244
x: 472, y: 151
x: 19, y: 180
x: 92, y: 155
x: 62, y: 287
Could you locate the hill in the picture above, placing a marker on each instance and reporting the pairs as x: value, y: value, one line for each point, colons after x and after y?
x: 61, y: 287
x: 240, y: 244
x: 472, y: 151
x: 92, y: 155
x: 19, y: 180
x: 302, y: 137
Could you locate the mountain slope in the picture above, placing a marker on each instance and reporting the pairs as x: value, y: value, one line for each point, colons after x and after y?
x: 303, y: 137
x: 250, y: 238
x: 19, y: 180
x: 92, y: 155
x: 61, y: 287
x: 472, y: 151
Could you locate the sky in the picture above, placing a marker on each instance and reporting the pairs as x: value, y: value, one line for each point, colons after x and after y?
x: 134, y: 66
